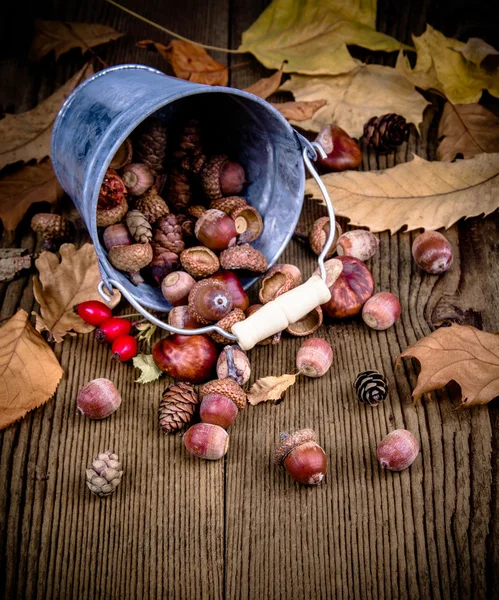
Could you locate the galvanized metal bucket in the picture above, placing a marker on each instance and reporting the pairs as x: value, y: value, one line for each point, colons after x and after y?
x: 104, y: 110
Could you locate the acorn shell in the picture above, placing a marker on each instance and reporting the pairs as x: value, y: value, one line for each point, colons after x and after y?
x: 358, y: 243
x: 226, y: 387
x: 226, y: 323
x: 319, y: 234
x: 199, y: 261
x: 123, y: 155
x: 291, y: 270
x: 308, y: 324
x: 274, y: 285
x: 243, y: 257
x: 249, y: 223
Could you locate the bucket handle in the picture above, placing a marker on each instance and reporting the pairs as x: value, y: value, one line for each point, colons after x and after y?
x: 275, y: 315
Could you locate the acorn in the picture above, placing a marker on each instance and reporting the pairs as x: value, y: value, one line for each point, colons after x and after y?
x: 248, y: 223
x: 222, y: 177
x: 226, y: 387
x: 215, y: 230
x: 138, y: 178
x: 235, y: 315
x: 274, y: 285
x: 50, y: 227
x: 314, y: 357
x: 398, y: 450
x: 381, y: 311
x: 116, y: 235
x: 181, y: 317
x: 163, y: 263
x: 432, y: 252
x: 308, y: 324
x: 123, y: 155
x: 302, y: 457
x: 199, y: 261
x: 358, y: 243
x: 319, y: 234
x: 207, y: 441
x: 131, y: 259
x: 98, y: 399
x: 229, y: 203
x: 176, y: 287
x: 209, y: 301
x: 234, y: 362
x: 218, y: 410
x: 291, y: 270
x: 243, y: 257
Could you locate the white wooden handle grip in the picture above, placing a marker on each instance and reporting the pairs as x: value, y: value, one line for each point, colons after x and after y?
x: 281, y: 312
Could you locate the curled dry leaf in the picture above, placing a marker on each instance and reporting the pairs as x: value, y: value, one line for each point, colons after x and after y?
x: 459, y: 353
x: 62, y: 37
x: 444, y: 64
x: 467, y: 129
x: 312, y: 35
x: 299, y: 111
x: 29, y: 370
x: 25, y: 186
x: 148, y: 369
x: 190, y: 62
x: 270, y: 388
x: 349, y: 106
x: 417, y: 194
x: 61, y: 285
x: 12, y: 261
x: 266, y: 86
x: 27, y: 135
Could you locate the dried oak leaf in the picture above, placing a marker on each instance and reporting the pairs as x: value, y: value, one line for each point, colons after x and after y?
x: 312, y: 35
x: 349, y: 105
x: 299, y: 111
x: 61, y: 285
x: 29, y: 370
x: 62, y: 37
x: 453, y: 68
x: 270, y: 388
x: 26, y: 136
x: 459, y: 353
x: 418, y: 194
x: 190, y: 62
x: 265, y: 87
x: 148, y: 369
x: 25, y: 186
x: 12, y: 261
x: 467, y: 129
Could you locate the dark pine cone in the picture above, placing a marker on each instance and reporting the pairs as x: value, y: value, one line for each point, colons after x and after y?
x: 177, y: 406
x: 386, y: 133
x: 191, y: 152
x: 371, y: 387
x: 150, y: 144
x: 168, y: 234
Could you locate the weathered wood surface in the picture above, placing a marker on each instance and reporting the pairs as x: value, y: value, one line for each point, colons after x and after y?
x: 239, y: 528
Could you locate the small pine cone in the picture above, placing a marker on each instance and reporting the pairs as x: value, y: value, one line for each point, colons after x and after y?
x: 110, y: 216
x: 210, y: 176
x: 104, y: 474
x: 139, y: 227
x: 228, y: 204
x: 168, y: 234
x: 152, y: 206
x: 191, y: 154
x: 179, y: 188
x: 177, y: 406
x: 386, y: 133
x: 226, y: 387
x: 50, y: 226
x: 150, y: 144
x: 371, y: 387
x: 226, y: 323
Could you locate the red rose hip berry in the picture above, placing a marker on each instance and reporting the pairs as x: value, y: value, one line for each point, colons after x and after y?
x: 93, y: 312
x: 112, y: 329
x: 124, y: 348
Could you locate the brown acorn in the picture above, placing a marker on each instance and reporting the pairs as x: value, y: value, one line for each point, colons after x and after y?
x: 199, y: 261
x: 226, y: 323
x: 248, y: 222
x: 243, y: 257
x: 228, y: 204
x: 50, y: 227
x: 138, y: 178
x: 131, y: 259
x: 319, y: 234
x: 210, y: 301
x: 222, y: 177
x: 226, y: 387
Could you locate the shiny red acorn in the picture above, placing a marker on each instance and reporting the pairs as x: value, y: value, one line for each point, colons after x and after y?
x: 93, y: 312
x: 124, y: 348
x: 186, y: 357
x: 112, y: 329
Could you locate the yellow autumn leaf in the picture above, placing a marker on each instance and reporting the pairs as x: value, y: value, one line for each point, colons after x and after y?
x: 420, y: 193
x: 349, y: 105
x: 270, y: 388
x: 451, y: 67
x: 312, y: 35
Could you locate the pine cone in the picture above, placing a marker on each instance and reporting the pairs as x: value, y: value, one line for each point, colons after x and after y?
x: 386, y: 133
x: 168, y: 234
x: 150, y: 144
x: 139, y: 227
x: 104, y: 474
x: 177, y: 406
x: 152, y: 206
x: 179, y: 188
x: 191, y: 154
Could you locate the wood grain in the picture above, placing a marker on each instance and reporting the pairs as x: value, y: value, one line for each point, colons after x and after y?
x: 240, y: 528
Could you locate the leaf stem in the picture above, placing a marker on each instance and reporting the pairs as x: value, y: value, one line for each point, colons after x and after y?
x: 172, y: 33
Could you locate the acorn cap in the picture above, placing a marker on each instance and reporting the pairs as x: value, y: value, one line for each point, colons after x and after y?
x: 290, y: 441
x: 274, y: 285
x: 199, y: 261
x: 123, y: 155
x: 319, y: 234
x: 50, y: 226
x: 226, y: 387
x: 210, y: 176
x: 243, y: 257
x: 196, y: 211
x: 226, y: 323
x: 228, y: 204
x: 249, y: 223
x: 308, y: 324
x: 131, y: 258
x: 110, y: 216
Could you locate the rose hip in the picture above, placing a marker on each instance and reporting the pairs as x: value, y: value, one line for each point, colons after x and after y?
x: 93, y: 312
x: 124, y: 348
x: 112, y: 329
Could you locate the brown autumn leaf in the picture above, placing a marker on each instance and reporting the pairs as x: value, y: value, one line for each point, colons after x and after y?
x: 467, y: 129
x: 419, y: 193
x: 62, y: 37
x: 270, y: 388
x: 12, y: 261
x: 190, y: 62
x: 459, y: 353
x: 61, y: 285
x: 265, y: 87
x: 299, y: 111
x: 25, y: 186
x: 26, y: 136
x: 29, y: 370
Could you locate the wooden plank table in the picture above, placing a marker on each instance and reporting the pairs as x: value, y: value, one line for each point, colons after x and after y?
x: 239, y: 528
